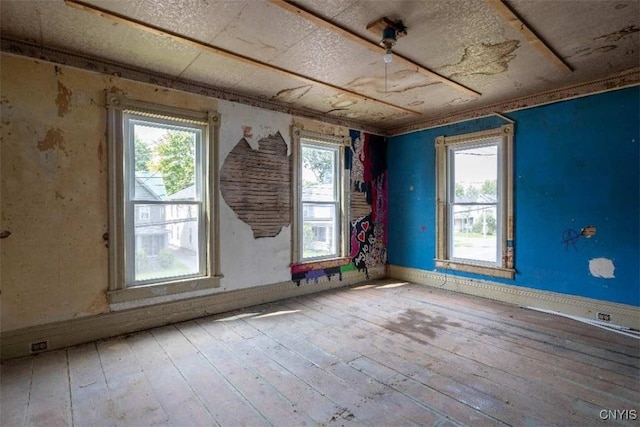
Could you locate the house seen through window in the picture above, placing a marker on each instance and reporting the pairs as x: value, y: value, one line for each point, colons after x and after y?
x: 163, y: 216
x: 320, y: 221
x: 166, y: 159
x: 475, y: 204
x: 320, y: 201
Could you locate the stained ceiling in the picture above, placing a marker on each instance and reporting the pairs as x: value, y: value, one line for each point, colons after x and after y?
x: 317, y: 58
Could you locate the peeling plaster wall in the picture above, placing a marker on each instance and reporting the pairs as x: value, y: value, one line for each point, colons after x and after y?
x: 247, y: 261
x: 576, y: 166
x: 54, y: 265
x: 54, y: 199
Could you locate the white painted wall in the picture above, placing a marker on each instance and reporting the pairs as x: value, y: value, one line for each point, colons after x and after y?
x: 247, y: 261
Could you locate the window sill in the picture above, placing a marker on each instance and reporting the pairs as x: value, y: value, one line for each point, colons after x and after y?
x: 169, y: 289
x: 504, y: 273
x: 301, y: 267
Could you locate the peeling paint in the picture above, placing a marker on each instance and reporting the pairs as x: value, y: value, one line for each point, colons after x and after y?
x: 456, y: 101
x: 620, y: 34
x: 581, y: 53
x: 602, y: 267
x: 52, y: 140
x: 63, y: 100
x: 607, y: 48
x: 483, y: 58
x: 343, y: 103
x: 334, y: 110
x: 398, y: 82
x: 293, y: 94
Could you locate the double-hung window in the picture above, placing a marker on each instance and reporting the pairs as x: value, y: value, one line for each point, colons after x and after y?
x: 319, y: 197
x: 475, y: 202
x: 163, y: 228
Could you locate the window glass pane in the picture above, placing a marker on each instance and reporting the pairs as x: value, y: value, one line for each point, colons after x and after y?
x: 319, y: 230
x: 166, y: 241
x: 476, y: 174
x: 318, y: 169
x: 475, y: 232
x: 165, y: 161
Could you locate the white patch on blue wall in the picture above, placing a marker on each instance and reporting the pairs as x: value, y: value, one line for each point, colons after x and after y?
x: 602, y: 267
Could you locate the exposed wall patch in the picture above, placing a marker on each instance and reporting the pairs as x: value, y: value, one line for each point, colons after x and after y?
x: 602, y: 267
x: 256, y: 184
x: 53, y: 139
x: 588, y: 231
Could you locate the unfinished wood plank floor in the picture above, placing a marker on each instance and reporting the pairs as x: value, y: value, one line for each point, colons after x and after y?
x: 386, y: 353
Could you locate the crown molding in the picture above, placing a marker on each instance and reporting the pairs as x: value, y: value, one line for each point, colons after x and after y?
x: 628, y: 78
x: 98, y: 65
x: 12, y: 46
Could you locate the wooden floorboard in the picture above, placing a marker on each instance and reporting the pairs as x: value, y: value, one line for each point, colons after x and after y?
x: 385, y: 353
x: 476, y: 333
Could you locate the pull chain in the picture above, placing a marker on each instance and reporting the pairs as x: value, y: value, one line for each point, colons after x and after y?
x: 385, y: 77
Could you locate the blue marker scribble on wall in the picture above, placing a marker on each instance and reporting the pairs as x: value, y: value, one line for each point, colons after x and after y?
x: 570, y: 238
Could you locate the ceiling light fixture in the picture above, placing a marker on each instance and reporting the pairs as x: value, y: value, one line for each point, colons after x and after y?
x: 389, y: 39
x: 390, y: 36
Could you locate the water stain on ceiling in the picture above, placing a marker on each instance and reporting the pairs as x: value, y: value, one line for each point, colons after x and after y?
x: 483, y: 58
x: 272, y: 57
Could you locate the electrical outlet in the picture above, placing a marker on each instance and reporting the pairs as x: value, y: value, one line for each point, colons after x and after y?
x: 604, y: 317
x: 39, y: 346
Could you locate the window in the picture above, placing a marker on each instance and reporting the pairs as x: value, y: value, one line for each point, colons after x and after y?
x: 144, y: 213
x: 320, y: 234
x: 319, y: 197
x: 475, y: 202
x: 163, y: 224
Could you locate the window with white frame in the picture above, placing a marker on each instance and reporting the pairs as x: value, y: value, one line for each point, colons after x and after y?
x: 319, y: 197
x: 163, y: 222
x: 475, y: 202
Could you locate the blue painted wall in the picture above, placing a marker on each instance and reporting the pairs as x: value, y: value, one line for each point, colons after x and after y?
x: 576, y: 164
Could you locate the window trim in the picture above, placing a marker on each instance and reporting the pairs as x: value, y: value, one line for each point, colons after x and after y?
x: 299, y: 136
x: 118, y: 292
x: 504, y: 134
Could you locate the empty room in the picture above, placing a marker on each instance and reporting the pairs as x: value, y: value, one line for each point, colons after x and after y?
x: 320, y: 213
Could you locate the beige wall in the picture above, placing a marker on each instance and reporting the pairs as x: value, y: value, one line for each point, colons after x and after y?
x: 54, y: 266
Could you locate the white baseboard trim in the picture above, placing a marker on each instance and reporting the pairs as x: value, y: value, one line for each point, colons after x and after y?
x: 17, y: 343
x: 627, y: 316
